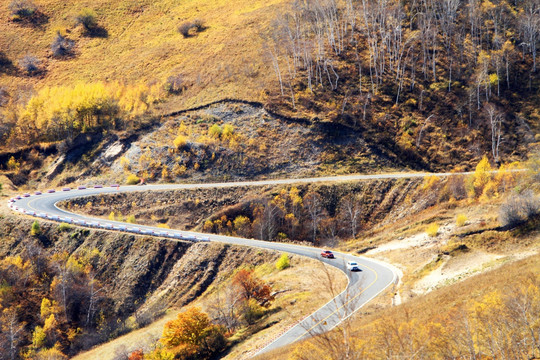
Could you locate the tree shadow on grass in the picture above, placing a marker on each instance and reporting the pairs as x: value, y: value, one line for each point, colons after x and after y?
x: 37, y: 19
x: 6, y: 65
x: 97, y: 32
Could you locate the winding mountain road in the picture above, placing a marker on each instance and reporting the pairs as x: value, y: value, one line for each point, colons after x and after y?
x: 363, y: 286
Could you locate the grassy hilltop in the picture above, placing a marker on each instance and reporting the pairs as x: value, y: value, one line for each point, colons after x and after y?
x: 140, y: 42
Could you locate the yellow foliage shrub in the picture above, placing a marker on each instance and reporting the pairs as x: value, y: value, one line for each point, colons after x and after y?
x: 180, y: 142
x: 461, y: 219
x: 490, y: 191
x: 13, y: 164
x: 432, y: 230
x: 215, y: 131
x: 482, y: 175
x: 124, y: 162
x: 60, y: 111
x: 208, y: 225
x: 179, y: 170
x: 132, y: 179
x: 165, y: 173
x: 182, y: 129
x: 228, y: 131
x: 430, y: 182
x: 507, y: 175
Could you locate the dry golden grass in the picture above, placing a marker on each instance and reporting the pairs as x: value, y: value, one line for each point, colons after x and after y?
x: 426, y: 308
x: 143, y: 43
x: 301, y: 295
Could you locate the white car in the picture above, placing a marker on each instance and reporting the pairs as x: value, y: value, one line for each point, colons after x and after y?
x: 353, y: 266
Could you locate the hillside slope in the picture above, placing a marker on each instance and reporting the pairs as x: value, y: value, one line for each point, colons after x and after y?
x: 141, y: 43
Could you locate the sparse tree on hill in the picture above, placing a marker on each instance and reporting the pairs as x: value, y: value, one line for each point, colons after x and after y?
x: 184, y: 29
x: 22, y: 8
x: 350, y: 211
x: 88, y: 19
x: 315, y: 212
x: 61, y: 45
x: 495, y: 119
x: 30, y: 64
x: 13, y: 332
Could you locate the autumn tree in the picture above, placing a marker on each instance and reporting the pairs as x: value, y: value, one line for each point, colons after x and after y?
x: 314, y: 209
x: 13, y: 332
x: 251, y: 287
x: 495, y: 119
x: 193, y: 336
x: 350, y: 211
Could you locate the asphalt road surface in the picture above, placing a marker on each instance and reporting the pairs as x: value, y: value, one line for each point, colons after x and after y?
x: 374, y: 277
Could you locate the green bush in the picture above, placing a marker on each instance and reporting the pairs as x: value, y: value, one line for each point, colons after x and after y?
x: 64, y: 227
x: 283, y: 262
x: 132, y: 179
x: 131, y: 219
x: 36, y: 229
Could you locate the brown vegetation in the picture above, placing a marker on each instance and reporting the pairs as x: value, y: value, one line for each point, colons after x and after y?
x: 491, y: 316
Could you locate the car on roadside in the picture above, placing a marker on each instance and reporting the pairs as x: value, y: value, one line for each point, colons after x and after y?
x: 327, y: 254
x: 353, y: 266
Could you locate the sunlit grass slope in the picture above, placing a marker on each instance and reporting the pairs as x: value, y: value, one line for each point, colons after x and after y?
x: 142, y: 42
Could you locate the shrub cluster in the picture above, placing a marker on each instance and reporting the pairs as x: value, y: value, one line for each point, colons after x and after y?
x: 87, y: 18
x: 30, y: 64
x: 432, y: 230
x: 62, y: 112
x: 175, y: 84
x: 518, y: 209
x: 180, y: 142
x: 132, y: 179
x: 22, y: 8
x: 186, y: 27
x: 461, y: 219
x: 283, y: 262
x: 61, y: 45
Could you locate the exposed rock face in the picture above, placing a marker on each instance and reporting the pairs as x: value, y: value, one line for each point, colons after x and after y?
x: 56, y: 167
x: 113, y: 151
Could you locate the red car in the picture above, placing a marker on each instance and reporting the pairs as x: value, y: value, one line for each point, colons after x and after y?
x: 327, y: 254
